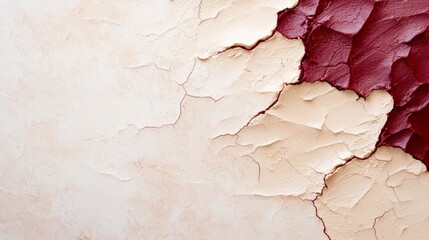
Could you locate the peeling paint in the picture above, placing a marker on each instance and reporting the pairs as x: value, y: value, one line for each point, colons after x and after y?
x: 387, y: 201
x: 295, y: 149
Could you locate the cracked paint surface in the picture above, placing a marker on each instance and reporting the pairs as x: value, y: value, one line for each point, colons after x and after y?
x: 250, y: 83
x: 388, y: 200
x: 110, y: 132
x: 187, y: 120
x: 363, y: 45
x: 236, y: 23
x: 166, y: 182
x: 295, y: 149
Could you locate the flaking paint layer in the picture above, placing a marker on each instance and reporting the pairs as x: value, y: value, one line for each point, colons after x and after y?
x: 310, y: 130
x: 382, y: 197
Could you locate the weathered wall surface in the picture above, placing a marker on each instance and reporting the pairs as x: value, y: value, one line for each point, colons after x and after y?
x: 186, y: 120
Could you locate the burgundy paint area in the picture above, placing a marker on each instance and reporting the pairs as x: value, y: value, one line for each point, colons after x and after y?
x: 364, y: 45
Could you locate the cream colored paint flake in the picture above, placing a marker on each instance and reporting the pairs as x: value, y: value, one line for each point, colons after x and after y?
x: 310, y: 130
x: 383, y: 197
x: 249, y: 79
x: 236, y: 23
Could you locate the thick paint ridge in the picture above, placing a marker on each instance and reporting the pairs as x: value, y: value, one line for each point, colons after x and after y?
x: 364, y: 45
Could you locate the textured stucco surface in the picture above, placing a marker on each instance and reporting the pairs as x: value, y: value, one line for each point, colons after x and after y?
x: 185, y: 120
x: 109, y: 119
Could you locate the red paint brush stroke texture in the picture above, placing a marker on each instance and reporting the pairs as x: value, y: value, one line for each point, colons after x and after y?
x: 364, y: 45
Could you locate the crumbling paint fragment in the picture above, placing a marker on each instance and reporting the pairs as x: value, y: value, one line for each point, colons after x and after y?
x: 236, y: 23
x: 365, y: 45
x: 407, y: 125
x: 382, y: 197
x: 249, y: 79
x: 310, y: 130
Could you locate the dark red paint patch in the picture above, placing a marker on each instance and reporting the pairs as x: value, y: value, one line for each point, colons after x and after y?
x: 364, y: 45
x: 297, y: 19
